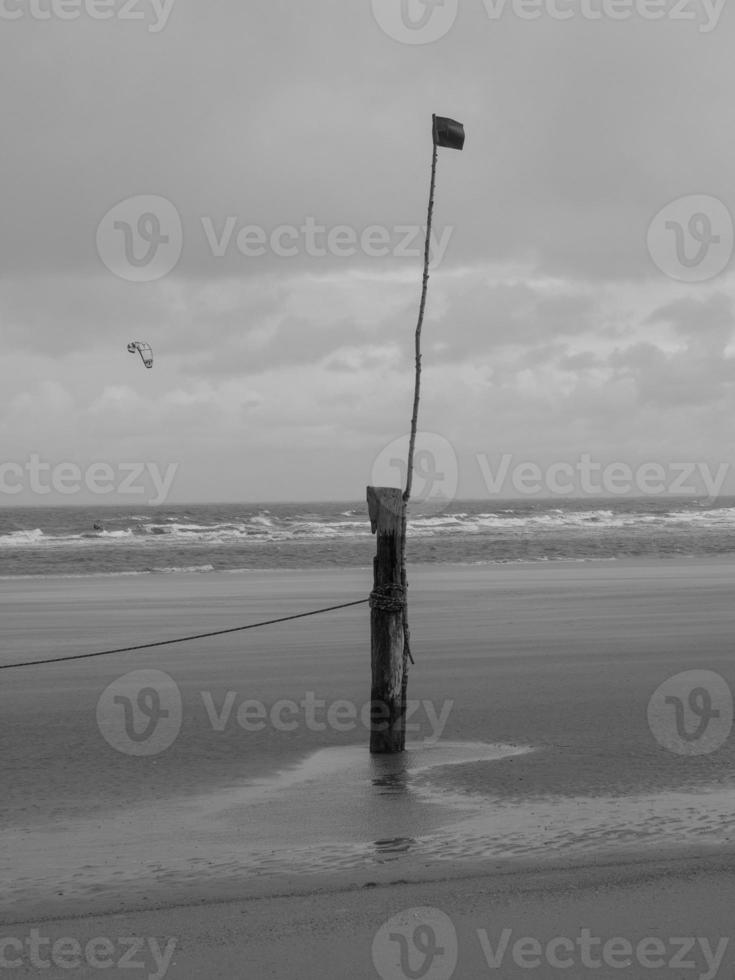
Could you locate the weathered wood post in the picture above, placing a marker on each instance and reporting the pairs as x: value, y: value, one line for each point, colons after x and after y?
x: 387, y: 695
x: 388, y: 507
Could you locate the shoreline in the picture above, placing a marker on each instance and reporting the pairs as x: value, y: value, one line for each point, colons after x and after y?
x: 419, y: 566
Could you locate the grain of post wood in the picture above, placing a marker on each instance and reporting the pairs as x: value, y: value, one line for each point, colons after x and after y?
x: 387, y: 717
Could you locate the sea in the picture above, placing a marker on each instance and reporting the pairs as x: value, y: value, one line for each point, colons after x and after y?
x: 212, y: 538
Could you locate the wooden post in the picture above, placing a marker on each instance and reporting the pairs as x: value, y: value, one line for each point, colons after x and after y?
x: 387, y: 696
x: 390, y: 636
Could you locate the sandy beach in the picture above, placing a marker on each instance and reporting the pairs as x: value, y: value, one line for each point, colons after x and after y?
x: 536, y: 787
x: 645, y: 918
x: 297, y: 299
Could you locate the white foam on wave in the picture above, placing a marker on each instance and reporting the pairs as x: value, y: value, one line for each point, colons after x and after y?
x: 176, y: 569
x: 719, y: 516
x: 256, y: 528
x: 38, y: 538
x: 262, y: 519
x: 20, y: 538
x: 262, y: 527
x: 65, y: 575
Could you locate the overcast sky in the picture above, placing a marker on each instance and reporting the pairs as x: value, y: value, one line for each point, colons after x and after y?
x: 200, y: 175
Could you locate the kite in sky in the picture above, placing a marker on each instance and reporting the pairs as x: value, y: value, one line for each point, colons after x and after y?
x: 145, y: 351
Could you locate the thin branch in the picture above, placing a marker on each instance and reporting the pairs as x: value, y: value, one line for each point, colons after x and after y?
x: 422, y: 307
x: 415, y: 415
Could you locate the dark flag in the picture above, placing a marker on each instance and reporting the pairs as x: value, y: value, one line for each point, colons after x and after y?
x: 448, y: 132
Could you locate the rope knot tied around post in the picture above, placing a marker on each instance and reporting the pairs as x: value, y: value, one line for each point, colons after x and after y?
x: 388, y: 598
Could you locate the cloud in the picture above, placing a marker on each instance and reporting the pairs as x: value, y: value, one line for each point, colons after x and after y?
x: 548, y: 325
x: 701, y: 321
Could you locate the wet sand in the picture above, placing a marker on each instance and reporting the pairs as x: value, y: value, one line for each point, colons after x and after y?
x: 545, y: 758
x: 659, y: 919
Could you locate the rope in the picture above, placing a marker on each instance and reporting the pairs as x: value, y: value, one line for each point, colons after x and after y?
x: 182, y: 639
x: 392, y: 599
x: 388, y: 598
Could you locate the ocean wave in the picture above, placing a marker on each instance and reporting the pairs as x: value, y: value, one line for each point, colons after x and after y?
x: 127, y: 573
x: 263, y: 519
x: 18, y: 539
x: 176, y: 569
x: 64, y: 575
x: 37, y: 538
x: 255, y: 528
x: 717, y: 516
x: 219, y: 528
